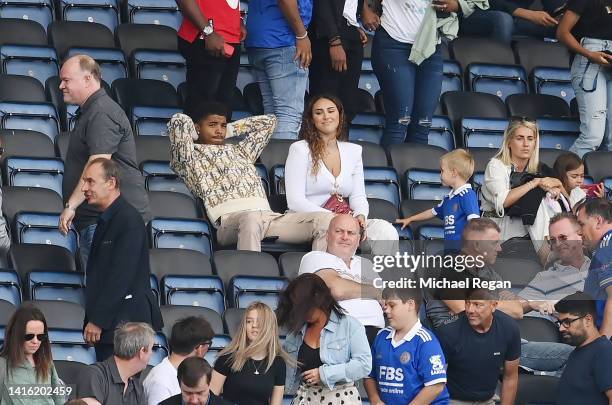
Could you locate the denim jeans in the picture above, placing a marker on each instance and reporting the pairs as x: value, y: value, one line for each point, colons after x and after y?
x: 592, y: 85
x: 283, y: 84
x: 408, y: 89
x: 549, y: 357
x: 85, y: 239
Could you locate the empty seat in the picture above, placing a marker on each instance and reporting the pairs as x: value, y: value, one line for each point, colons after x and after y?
x: 57, y: 286
x: 458, y: 105
x: 156, y: 148
x: 21, y: 142
x: 536, y: 389
x: 418, y: 167
x: 275, y: 153
x: 429, y: 229
x: 157, y: 12
x: 41, y: 117
x: 199, y: 291
x: 289, y: 264
x: 159, y: 177
x: 179, y: 261
x: 42, y: 228
x: 230, y: 263
x: 111, y: 60
x: 170, y: 204
x: 483, y: 132
x: 367, y: 127
x: 246, y: 289
x: 468, y: 50
x: 172, y: 313
x: 64, y: 35
x: 152, y: 120
x: 369, y: 82
x: 138, y: 36
x: 452, y: 79
x: 535, y: 53
x: 232, y: 318
x: 167, y: 66
x: 105, y: 12
x: 10, y: 290
x: 39, y: 62
x: 597, y: 164
x: 194, y: 234
x: 34, y: 172
x: 499, y: 80
x: 144, y: 92
x: 537, y: 329
x: 558, y: 133
x: 19, y: 88
x: 537, y: 105
x: 372, y: 154
x: 553, y: 81
x: 40, y: 11
x: 382, y: 183
x: 61, y: 314
x: 18, y: 199
x: 25, y: 258
x: 441, y: 133
x: 19, y: 31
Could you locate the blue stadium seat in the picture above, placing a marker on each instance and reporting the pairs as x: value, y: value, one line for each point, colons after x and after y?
x: 218, y: 343
x: 367, y: 127
x: 194, y: 234
x: 608, y: 185
x: 240, y: 114
x: 278, y: 179
x: 452, y: 77
x: 154, y: 287
x: 245, y: 76
x: 199, y: 291
x: 422, y: 184
x: 554, y: 81
x: 429, y: 232
x: 158, y: 12
x: 57, y: 285
x: 366, y: 65
x: 9, y: 287
x: 159, y: 177
x: 558, y: 133
x: 160, y: 349
x: 441, y: 133
x: 41, y: 117
x: 477, y: 180
x: 153, y: 121
x: 73, y: 352
x: 37, y: 227
x: 105, y: 12
x: 244, y: 290
x: 263, y: 174
x: 34, y: 172
x: 40, y: 11
x: 71, y: 115
x: 39, y: 62
x: 111, y: 60
x: 167, y: 66
x: 483, y: 132
x: 499, y: 80
x: 382, y: 183
x: 59, y: 335
x: 369, y: 82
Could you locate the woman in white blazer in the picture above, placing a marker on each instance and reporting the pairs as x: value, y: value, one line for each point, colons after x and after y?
x: 323, y: 163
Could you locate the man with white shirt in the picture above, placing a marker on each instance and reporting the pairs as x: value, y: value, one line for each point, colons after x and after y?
x: 566, y: 275
x: 190, y: 337
x: 346, y: 274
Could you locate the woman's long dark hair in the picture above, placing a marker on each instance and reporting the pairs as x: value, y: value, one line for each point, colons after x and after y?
x: 303, y: 294
x: 309, y: 132
x: 15, y: 338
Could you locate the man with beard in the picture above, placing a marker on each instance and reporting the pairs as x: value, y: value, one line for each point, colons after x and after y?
x: 587, y: 378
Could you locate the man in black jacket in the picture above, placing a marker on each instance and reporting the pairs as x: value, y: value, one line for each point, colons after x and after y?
x: 194, y: 378
x: 118, y: 288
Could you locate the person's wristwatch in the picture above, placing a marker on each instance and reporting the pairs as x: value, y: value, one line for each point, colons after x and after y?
x: 68, y: 207
x: 207, y: 30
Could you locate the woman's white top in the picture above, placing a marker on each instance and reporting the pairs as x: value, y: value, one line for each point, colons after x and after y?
x: 402, y: 19
x: 307, y: 193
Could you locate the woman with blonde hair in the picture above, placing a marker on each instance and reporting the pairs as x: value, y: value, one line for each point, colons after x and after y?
x: 26, y: 361
x: 251, y: 369
x: 519, y: 193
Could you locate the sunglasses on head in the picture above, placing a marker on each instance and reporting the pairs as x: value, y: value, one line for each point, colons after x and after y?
x: 39, y: 336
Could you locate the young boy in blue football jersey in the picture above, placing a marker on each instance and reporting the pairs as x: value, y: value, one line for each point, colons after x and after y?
x: 408, y: 365
x: 460, y: 205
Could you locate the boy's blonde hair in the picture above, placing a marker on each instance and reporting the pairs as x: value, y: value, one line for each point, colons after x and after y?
x: 461, y: 160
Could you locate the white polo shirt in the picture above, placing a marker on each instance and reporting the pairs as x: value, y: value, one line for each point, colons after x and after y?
x: 367, y: 311
x: 161, y: 383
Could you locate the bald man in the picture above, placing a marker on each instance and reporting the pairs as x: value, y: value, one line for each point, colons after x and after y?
x: 347, y: 275
x: 102, y: 130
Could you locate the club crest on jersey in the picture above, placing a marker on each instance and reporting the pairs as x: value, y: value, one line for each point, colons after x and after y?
x: 405, y: 358
x: 436, y: 364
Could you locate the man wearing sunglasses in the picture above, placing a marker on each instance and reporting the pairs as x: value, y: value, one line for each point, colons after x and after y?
x: 595, y: 218
x: 587, y: 378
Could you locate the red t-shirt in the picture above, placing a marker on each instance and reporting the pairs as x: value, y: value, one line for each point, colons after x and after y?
x: 226, y: 20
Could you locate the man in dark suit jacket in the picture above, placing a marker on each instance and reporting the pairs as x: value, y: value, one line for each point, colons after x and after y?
x: 118, y: 287
x: 194, y: 377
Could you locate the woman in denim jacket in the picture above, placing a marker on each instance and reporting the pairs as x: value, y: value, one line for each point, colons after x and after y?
x: 331, y: 348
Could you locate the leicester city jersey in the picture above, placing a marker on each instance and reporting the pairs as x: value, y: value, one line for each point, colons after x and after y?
x: 402, y: 368
x: 600, y: 275
x: 458, y: 207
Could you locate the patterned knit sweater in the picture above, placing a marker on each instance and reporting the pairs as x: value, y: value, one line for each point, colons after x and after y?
x: 223, y: 176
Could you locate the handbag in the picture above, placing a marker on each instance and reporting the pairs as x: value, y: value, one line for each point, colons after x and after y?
x: 517, y: 179
x: 338, y: 204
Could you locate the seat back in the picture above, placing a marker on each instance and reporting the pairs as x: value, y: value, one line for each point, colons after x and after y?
x: 275, y: 153
x: 112, y: 62
x: 382, y: 183
x: 18, y: 199
x: 243, y: 290
x: 105, y: 12
x: 532, y: 53
x: 157, y: 12
x: 232, y: 318
x: 138, y: 36
x: 558, y: 133
x: 18, y: 88
x: 230, y: 263
x: 441, y: 133
x: 61, y: 314
x: 149, y: 120
x: 553, y: 81
x: 152, y: 148
x: 536, y: 329
x: 64, y: 35
x: 517, y: 270
x: 597, y: 164
x: 172, y: 313
x: 10, y: 290
x: 289, y: 264
x: 483, y: 132
x: 39, y: 62
x: 19, y: 31
x: 167, y: 66
x: 171, y: 204
x: 34, y: 172
x: 536, y: 390
x: 40, y: 12
x: 41, y: 117
x: 199, y: 291
x: 144, y: 92
x: 159, y: 177
x: 452, y: 79
x: 500, y: 80
x: 41, y: 228
x: 537, y: 105
x: 25, y: 258
x: 194, y: 234
x: 467, y: 50
x: 57, y: 285
x: 24, y: 143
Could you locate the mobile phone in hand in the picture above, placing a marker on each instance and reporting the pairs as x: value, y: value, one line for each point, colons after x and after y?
x: 229, y: 50
x: 440, y: 13
x: 591, y: 189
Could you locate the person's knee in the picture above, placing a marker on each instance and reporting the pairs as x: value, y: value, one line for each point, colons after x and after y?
x: 503, y: 25
x: 250, y: 222
x: 379, y: 229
